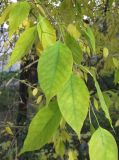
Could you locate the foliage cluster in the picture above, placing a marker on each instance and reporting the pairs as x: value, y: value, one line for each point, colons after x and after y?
x: 70, y: 51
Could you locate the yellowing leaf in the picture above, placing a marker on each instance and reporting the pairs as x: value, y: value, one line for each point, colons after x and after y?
x: 23, y: 45
x: 39, y: 99
x: 73, y: 102
x: 9, y: 131
x: 42, y: 128
x: 54, y: 68
x: 35, y: 91
x: 17, y: 15
x: 105, y: 52
x: 73, y: 31
x: 46, y: 32
x: 102, y: 146
x: 117, y: 123
x: 72, y: 155
x: 26, y: 23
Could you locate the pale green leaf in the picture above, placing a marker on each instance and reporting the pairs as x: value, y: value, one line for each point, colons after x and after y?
x: 54, y: 68
x: 74, y: 47
x: 73, y: 102
x: 5, y: 14
x: 46, y: 32
x: 42, y: 128
x: 102, y: 146
x: 17, y: 15
x: 23, y: 45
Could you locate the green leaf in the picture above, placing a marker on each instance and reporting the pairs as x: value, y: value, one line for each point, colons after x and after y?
x: 107, y: 99
x: 46, y: 32
x: 74, y: 47
x: 102, y: 101
x: 88, y: 33
x: 42, y: 128
x: 116, y: 76
x: 54, y: 68
x: 73, y: 102
x: 100, y: 95
x: 5, y: 14
x: 18, y: 13
x: 23, y: 45
x: 102, y: 146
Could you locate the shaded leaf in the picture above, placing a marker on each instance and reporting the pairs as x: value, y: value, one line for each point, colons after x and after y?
x: 90, y: 37
x: 102, y: 101
x: 100, y: 95
x: 102, y: 146
x: 73, y: 102
x: 74, y: 47
x: 116, y: 76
